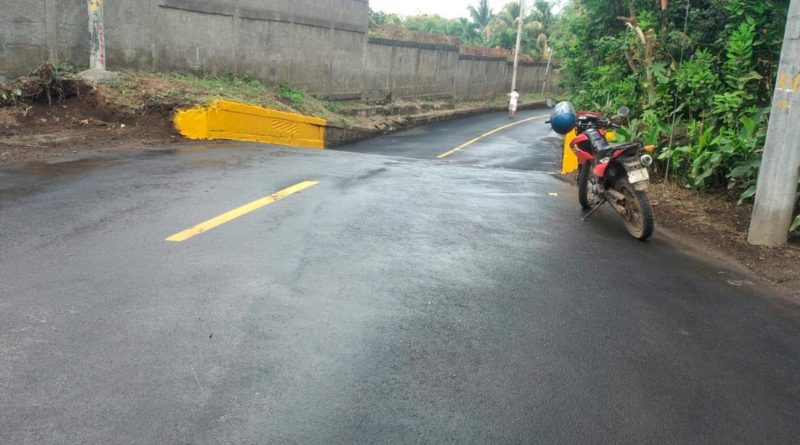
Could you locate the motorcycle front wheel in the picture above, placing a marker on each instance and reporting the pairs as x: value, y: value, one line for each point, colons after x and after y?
x: 586, y: 196
x: 639, y: 219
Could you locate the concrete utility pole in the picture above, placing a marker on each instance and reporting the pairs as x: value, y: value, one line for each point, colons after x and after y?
x: 780, y: 170
x: 97, y: 45
x: 519, y: 44
x: 547, y: 71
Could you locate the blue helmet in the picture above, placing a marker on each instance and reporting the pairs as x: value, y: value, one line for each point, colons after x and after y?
x: 563, y: 118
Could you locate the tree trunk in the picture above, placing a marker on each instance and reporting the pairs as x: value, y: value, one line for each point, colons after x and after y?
x: 646, y: 49
x: 650, y: 40
x: 664, y: 16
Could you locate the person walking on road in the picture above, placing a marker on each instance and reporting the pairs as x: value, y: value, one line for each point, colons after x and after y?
x: 512, y: 104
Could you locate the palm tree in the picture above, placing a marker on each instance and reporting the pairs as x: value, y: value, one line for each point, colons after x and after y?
x: 509, y: 14
x: 502, y: 30
x: 543, y: 14
x: 482, y: 15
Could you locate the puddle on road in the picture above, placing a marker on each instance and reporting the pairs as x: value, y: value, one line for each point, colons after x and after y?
x: 18, y: 181
x: 68, y: 167
x: 187, y: 148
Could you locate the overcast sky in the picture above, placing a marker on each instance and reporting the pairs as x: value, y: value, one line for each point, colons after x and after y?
x: 445, y: 8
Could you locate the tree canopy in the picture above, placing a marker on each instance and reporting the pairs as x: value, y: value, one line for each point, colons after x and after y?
x: 483, y: 27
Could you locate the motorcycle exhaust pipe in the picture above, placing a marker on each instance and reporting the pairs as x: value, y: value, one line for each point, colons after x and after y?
x: 647, y: 160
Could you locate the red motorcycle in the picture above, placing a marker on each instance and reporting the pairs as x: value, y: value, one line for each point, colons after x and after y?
x: 613, y: 173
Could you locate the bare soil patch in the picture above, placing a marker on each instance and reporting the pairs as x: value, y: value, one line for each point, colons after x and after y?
x: 715, y: 219
x: 85, y: 122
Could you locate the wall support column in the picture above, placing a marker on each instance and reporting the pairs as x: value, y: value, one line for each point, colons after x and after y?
x: 97, y: 36
x: 51, y: 30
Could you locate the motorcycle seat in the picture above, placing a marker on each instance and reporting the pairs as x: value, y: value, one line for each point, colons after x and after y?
x: 621, y: 146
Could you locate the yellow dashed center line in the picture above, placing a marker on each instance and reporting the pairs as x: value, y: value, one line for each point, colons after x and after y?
x: 241, y: 211
x: 485, y: 135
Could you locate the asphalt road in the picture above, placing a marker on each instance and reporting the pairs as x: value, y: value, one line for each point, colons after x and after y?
x: 401, y: 299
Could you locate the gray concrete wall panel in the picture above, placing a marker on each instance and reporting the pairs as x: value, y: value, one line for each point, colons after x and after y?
x: 319, y: 45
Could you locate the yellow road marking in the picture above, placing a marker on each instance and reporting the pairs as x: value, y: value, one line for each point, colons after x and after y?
x: 485, y: 135
x: 241, y: 211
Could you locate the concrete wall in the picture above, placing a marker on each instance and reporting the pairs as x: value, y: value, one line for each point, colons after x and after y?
x: 318, y: 45
x: 400, y: 69
x: 321, y: 46
x: 408, y: 69
x: 480, y: 77
x: 531, y: 77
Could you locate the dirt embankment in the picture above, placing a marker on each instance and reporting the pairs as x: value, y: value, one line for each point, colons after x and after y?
x: 717, y: 221
x: 82, y: 121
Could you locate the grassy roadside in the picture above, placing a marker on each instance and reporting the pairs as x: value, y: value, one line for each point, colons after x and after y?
x: 136, y: 90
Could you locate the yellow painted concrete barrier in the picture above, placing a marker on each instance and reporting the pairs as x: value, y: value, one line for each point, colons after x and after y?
x: 569, y: 162
x: 242, y: 122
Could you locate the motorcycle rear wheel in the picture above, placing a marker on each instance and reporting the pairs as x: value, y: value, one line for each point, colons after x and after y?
x: 639, y: 221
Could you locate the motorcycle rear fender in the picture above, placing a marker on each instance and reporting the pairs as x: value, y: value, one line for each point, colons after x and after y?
x: 600, y: 169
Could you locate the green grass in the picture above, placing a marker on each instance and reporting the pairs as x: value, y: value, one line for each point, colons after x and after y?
x: 295, y: 96
x: 137, y: 90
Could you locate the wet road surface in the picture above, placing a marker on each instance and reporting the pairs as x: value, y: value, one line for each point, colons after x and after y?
x: 401, y: 299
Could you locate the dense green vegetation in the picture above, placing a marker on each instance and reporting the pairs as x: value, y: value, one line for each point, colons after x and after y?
x: 708, y: 73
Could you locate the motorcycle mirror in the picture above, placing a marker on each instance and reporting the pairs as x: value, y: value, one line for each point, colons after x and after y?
x: 623, y: 111
x: 551, y: 102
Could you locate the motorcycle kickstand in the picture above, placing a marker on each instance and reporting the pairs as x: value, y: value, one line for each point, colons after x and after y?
x: 594, y: 209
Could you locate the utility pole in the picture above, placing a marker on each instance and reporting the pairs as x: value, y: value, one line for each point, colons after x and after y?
x: 780, y: 169
x: 519, y: 44
x: 97, y: 45
x: 547, y: 71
